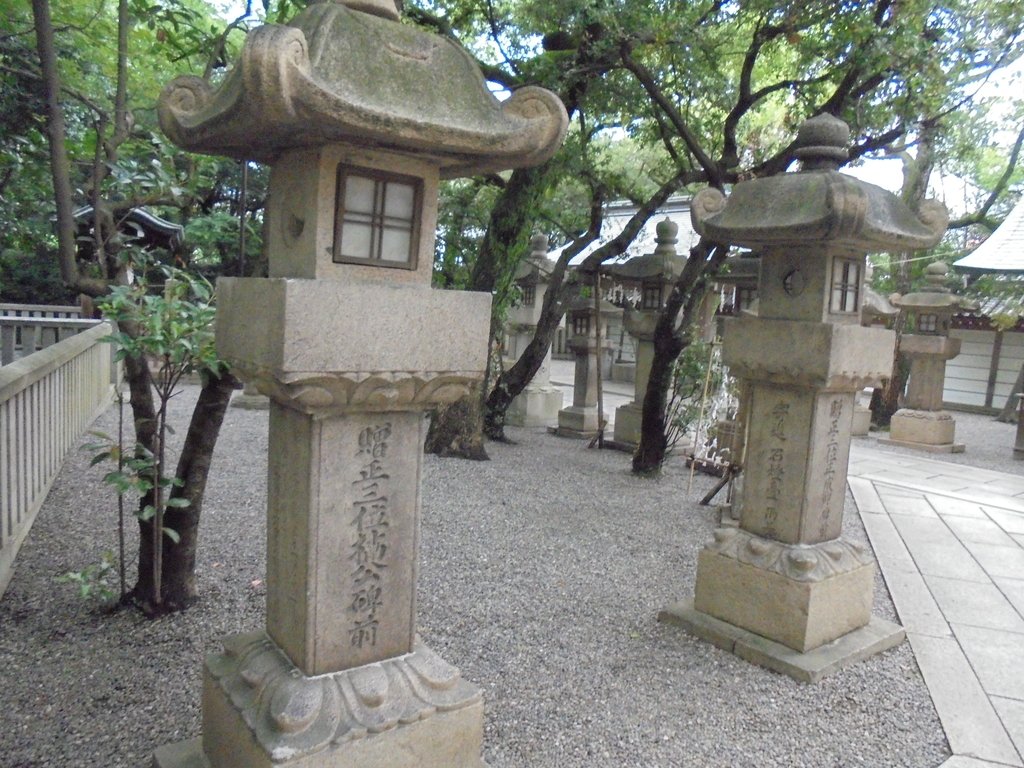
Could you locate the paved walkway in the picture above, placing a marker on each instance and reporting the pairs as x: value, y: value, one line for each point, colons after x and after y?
x: 949, y: 539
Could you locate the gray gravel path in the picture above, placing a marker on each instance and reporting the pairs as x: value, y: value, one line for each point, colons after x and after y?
x: 542, y: 573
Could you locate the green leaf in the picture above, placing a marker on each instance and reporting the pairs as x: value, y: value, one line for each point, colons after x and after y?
x: 179, y: 503
x: 172, y: 535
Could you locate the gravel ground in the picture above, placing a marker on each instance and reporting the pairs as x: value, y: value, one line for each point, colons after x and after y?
x: 542, y: 573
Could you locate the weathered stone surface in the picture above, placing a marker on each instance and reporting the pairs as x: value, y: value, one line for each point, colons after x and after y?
x: 408, y: 711
x: 810, y: 667
x: 302, y: 207
x: 340, y: 75
x: 535, y: 406
x: 797, y: 457
x: 343, y: 497
x: 793, y: 352
x: 786, y: 575
x: 932, y: 431
x: 800, y: 614
x: 391, y: 348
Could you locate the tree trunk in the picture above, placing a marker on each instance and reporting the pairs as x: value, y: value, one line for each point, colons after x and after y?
x: 670, y: 339
x: 650, y: 453
x: 511, y: 382
x: 459, y: 431
x: 455, y: 430
x: 178, y: 581
x: 1008, y: 414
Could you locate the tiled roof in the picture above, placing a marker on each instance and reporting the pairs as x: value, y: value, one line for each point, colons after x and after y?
x: 1003, y: 251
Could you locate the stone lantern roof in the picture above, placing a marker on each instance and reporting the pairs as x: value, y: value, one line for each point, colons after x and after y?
x: 819, y: 203
x: 664, y: 264
x: 936, y: 296
x: 353, y: 73
x: 536, y: 268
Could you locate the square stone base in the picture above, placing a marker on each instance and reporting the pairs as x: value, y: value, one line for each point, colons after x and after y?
x: 259, y: 711
x: 877, y: 636
x: 927, y: 430
x: 578, y: 421
x: 628, y: 419
x: 799, y: 614
x: 535, y: 407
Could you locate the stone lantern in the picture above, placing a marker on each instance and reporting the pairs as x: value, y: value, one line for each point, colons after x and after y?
x: 653, y: 276
x: 359, y: 117
x: 785, y: 589
x: 922, y: 423
x: 581, y: 419
x: 538, y: 404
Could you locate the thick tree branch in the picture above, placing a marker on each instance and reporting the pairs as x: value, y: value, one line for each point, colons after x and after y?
x: 709, y: 166
x: 981, y: 215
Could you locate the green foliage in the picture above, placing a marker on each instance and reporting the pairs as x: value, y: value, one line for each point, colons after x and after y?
x: 174, y: 328
x: 31, y: 279
x: 95, y: 581
x: 697, y: 370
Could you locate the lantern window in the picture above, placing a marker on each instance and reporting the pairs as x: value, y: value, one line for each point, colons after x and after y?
x: 377, y: 219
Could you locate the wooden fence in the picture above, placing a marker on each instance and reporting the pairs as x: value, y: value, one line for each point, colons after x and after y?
x: 47, y: 400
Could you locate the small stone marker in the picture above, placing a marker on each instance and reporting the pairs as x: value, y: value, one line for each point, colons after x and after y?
x: 922, y: 423
x: 359, y: 117
x: 785, y: 589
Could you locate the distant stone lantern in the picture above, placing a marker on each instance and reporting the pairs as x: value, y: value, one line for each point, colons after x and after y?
x: 538, y: 404
x: 654, y: 274
x: 922, y: 423
x: 785, y: 589
x: 359, y: 116
x: 581, y: 419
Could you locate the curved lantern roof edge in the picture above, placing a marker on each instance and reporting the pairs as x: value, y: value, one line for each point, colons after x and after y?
x: 815, y: 206
x: 335, y: 74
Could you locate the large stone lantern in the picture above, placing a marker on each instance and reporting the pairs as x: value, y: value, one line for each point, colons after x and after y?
x: 538, y: 404
x: 785, y: 589
x: 923, y: 423
x: 359, y: 117
x: 653, y: 275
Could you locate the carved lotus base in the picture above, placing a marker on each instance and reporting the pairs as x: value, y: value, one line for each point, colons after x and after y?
x: 801, y: 596
x: 260, y: 711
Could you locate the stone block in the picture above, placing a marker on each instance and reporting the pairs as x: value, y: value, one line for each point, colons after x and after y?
x: 578, y: 421
x: 413, y: 711
x: 628, y: 420
x: 877, y: 636
x: 342, y: 531
x: 799, y: 614
x: 623, y: 372
x: 861, y: 421
x: 535, y: 407
x: 926, y: 428
x: 839, y: 357
x: 271, y: 323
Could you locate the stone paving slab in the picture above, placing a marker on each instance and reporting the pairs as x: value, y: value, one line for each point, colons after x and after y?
x: 949, y: 540
x: 972, y: 726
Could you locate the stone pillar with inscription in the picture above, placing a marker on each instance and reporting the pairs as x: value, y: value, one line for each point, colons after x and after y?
x: 581, y: 419
x: 785, y: 589
x: 653, y: 274
x: 923, y: 423
x: 538, y: 404
x: 359, y: 117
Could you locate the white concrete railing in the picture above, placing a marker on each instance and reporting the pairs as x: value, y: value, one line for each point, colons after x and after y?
x: 40, y: 310
x: 47, y: 400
